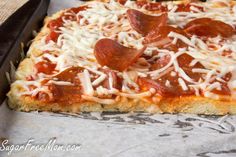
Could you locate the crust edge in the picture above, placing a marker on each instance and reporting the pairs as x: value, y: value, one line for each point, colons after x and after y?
x: 190, y: 104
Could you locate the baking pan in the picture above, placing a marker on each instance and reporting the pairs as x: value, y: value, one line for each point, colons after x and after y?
x: 15, y: 32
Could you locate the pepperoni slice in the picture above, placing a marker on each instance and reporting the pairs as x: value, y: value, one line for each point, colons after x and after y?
x: 208, y: 27
x: 64, y: 93
x: 45, y: 67
x: 69, y: 74
x: 160, y: 85
x: 159, y: 38
x: 184, y: 61
x: 114, y: 55
x: 144, y: 23
x: 174, y: 88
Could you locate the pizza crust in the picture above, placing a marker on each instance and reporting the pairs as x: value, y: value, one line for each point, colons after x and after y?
x: 190, y: 104
x: 25, y: 69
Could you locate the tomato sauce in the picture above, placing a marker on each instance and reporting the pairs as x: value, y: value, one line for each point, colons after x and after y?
x: 55, y: 24
x: 187, y: 7
x: 45, y: 67
x: 224, y: 90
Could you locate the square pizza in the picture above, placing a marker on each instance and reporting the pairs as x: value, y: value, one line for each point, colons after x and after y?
x: 132, y: 56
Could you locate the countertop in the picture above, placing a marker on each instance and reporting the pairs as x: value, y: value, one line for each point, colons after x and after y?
x: 8, y: 7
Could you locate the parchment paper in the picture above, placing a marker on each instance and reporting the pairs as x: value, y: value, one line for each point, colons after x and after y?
x: 119, y: 135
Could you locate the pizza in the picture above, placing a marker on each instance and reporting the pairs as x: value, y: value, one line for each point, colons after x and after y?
x: 132, y: 56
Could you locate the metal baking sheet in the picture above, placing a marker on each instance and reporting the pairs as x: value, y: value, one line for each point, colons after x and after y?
x: 17, y: 31
x: 116, y: 135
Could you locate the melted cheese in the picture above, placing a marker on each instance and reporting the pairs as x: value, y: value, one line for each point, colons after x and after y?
x: 63, y: 83
x: 182, y: 84
x: 86, y: 82
x: 180, y: 37
x: 139, y: 95
x: 129, y: 78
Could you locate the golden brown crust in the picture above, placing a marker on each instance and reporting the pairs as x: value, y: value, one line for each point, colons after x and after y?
x: 190, y: 104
